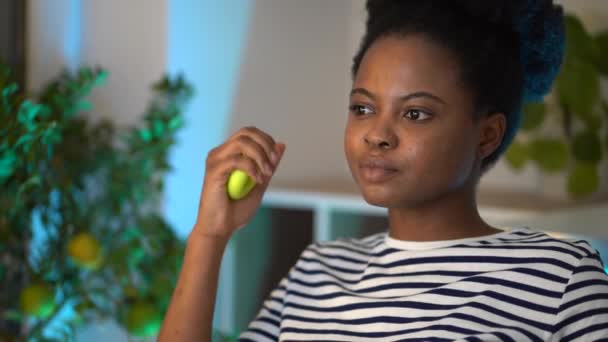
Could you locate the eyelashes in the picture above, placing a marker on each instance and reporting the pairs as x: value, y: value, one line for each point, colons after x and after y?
x: 418, y: 114
x: 413, y: 114
x: 355, y: 109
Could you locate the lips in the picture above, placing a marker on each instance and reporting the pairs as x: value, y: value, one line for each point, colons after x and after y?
x: 378, y: 162
x: 377, y: 169
x: 376, y: 174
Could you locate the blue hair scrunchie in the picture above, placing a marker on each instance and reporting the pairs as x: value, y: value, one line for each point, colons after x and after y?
x: 541, y: 30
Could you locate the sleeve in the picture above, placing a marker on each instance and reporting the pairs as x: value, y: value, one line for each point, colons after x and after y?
x: 583, y: 313
x: 266, y: 325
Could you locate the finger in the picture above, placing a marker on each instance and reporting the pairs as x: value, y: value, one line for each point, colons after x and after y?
x: 279, y: 150
x: 252, y: 149
x: 239, y: 147
x: 241, y: 162
x: 270, y: 143
x: 262, y: 138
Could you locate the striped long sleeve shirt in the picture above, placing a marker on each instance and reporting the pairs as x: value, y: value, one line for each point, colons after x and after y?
x: 516, y: 285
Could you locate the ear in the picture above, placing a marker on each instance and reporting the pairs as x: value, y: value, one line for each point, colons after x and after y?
x: 492, y: 130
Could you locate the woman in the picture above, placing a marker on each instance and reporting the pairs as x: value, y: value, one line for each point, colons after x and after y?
x: 436, y: 99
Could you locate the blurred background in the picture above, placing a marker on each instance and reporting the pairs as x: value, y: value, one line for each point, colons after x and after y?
x: 283, y: 66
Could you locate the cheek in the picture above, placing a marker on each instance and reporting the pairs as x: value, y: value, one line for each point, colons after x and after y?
x: 349, y: 142
x: 444, y: 157
x: 454, y: 156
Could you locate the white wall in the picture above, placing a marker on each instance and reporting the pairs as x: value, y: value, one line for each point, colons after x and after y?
x: 53, y: 39
x: 129, y: 39
x: 294, y: 85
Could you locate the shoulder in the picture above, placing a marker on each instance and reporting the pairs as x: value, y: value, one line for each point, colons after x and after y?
x: 568, y: 250
x: 578, y: 247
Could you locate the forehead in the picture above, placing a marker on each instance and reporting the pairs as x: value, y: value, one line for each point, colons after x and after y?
x: 393, y: 66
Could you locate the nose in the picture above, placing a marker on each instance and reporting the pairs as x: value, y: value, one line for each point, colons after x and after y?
x: 381, y: 136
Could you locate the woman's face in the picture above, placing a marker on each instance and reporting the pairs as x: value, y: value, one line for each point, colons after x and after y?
x: 409, y: 109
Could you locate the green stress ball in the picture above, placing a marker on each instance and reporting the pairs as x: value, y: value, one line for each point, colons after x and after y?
x: 239, y: 184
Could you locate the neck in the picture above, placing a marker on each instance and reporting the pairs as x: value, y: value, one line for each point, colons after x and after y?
x: 452, y: 216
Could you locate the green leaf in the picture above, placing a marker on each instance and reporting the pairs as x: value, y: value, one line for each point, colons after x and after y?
x: 8, y: 161
x: 5, y: 73
x: 602, y: 61
x: 130, y: 233
x: 579, y: 43
x: 83, y: 106
x: 27, y: 114
x: 10, y: 90
x: 534, y: 114
x: 550, y: 154
x: 517, y: 154
x: 175, y: 123
x: 24, y: 139
x: 162, y: 85
x: 583, y: 180
x: 578, y: 87
x: 101, y: 78
x: 33, y: 181
x: 158, y: 128
x: 145, y: 135
x: 593, y: 122
x: 51, y: 135
x: 587, y: 147
x: 136, y: 255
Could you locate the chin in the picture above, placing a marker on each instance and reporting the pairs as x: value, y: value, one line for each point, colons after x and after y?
x: 380, y: 197
x: 395, y: 196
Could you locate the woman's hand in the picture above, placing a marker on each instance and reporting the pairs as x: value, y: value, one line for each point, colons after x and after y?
x: 250, y: 150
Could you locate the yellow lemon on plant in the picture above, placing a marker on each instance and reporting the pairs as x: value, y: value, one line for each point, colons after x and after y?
x: 37, y: 300
x: 143, y: 319
x: 85, y: 250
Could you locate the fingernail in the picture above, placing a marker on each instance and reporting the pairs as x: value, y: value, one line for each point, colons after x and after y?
x: 274, y: 157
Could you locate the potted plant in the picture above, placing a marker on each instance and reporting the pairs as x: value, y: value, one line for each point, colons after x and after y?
x: 81, y: 237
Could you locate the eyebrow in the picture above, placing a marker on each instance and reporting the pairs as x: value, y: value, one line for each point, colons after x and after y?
x: 407, y: 97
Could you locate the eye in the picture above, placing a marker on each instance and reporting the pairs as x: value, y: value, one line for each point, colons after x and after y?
x: 359, y: 110
x: 417, y: 115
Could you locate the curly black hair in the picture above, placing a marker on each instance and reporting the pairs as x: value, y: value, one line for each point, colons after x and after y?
x: 510, y: 51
